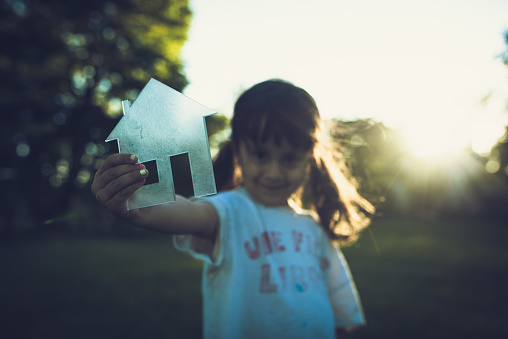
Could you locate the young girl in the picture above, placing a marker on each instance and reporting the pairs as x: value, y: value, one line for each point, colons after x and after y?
x: 266, y: 239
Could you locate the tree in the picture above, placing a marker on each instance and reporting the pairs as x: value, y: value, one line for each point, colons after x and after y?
x: 65, y: 69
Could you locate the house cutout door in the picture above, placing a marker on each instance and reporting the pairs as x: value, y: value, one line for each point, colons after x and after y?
x: 182, y: 176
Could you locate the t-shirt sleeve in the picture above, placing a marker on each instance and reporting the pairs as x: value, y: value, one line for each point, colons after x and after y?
x: 344, y: 297
x: 201, y: 248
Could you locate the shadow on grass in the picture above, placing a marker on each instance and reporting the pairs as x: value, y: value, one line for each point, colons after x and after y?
x: 429, y: 280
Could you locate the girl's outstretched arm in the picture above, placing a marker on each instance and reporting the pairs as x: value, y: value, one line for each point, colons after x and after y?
x: 120, y: 176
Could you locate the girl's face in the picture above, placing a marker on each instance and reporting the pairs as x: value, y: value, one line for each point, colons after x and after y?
x: 271, y: 172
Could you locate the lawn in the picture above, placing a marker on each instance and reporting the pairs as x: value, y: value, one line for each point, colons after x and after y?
x: 425, y: 280
x: 432, y: 279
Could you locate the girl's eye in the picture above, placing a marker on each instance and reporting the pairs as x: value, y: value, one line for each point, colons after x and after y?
x: 257, y: 154
x: 292, y: 160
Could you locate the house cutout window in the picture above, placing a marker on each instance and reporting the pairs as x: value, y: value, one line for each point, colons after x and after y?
x: 153, y: 177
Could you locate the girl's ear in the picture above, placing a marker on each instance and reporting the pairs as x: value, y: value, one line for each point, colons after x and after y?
x: 236, y: 152
x: 234, y: 147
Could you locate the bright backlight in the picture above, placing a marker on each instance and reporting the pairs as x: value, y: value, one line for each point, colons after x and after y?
x: 436, y: 143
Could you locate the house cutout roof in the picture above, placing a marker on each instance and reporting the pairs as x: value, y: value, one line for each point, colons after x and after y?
x: 162, y: 122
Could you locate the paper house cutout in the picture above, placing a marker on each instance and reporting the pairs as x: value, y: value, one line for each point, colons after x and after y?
x: 162, y: 122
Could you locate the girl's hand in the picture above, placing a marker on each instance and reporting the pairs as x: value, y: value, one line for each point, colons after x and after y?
x: 121, y: 175
x: 116, y: 180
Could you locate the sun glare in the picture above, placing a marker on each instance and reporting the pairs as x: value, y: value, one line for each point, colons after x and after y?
x: 434, y: 143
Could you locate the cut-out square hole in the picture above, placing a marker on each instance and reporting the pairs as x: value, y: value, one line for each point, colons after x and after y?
x: 182, y: 177
x: 153, y: 174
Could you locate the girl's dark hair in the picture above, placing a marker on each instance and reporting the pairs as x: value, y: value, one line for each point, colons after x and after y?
x: 280, y: 110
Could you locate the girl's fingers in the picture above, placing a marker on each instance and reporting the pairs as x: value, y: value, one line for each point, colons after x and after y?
x: 117, y: 202
x: 121, y: 182
x: 116, y: 160
x: 113, y: 173
x: 117, y: 179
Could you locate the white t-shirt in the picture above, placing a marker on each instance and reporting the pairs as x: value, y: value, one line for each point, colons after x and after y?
x: 272, y: 273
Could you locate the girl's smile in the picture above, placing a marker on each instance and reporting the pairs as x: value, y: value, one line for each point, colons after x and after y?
x: 272, y: 172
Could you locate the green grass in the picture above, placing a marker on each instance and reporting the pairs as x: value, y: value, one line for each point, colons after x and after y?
x: 98, y: 288
x: 432, y: 279
x: 428, y: 280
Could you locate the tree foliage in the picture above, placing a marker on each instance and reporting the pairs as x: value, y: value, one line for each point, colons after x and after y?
x: 65, y: 67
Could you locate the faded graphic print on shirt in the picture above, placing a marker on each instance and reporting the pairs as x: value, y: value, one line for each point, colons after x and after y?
x: 294, y: 277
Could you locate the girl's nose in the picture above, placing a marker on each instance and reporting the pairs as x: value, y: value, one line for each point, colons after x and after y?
x: 273, y: 170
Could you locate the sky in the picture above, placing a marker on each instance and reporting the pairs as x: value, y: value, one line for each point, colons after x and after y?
x: 422, y: 67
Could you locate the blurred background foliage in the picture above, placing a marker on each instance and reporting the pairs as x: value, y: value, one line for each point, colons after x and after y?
x: 66, y: 67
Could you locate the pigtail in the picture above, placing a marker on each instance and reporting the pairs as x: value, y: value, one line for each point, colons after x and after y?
x: 333, y: 196
x: 225, y: 167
